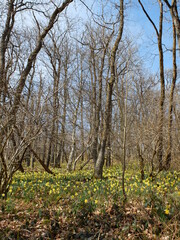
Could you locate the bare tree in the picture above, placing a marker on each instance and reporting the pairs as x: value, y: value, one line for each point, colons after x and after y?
x: 173, y: 7
x: 98, y: 170
x: 8, y: 166
x: 161, y: 67
x: 98, y: 47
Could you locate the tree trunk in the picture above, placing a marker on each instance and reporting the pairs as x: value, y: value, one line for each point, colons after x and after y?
x: 141, y: 160
x: 170, y: 118
x: 5, y: 37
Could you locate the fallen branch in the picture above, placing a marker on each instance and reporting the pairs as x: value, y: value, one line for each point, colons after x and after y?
x: 76, y: 160
x: 40, y: 161
x: 81, y: 167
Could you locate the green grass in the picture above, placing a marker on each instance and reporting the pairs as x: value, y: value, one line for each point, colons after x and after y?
x: 76, y: 194
x: 81, y: 189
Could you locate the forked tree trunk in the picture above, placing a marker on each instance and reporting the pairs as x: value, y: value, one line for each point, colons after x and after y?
x: 98, y: 170
x: 175, y: 18
x: 97, y: 83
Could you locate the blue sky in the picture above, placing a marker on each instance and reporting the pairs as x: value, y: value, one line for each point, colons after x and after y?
x: 146, y: 37
x: 139, y: 28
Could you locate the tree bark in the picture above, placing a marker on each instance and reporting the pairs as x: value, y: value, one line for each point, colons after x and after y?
x: 10, y: 20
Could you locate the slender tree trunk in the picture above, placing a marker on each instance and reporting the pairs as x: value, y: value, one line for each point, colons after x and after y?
x: 31, y: 160
x: 49, y: 153
x: 72, y: 152
x: 170, y: 118
x: 65, y: 98
x: 108, y: 158
x: 94, y: 105
x: 82, y: 128
x: 71, y: 155
x: 161, y: 108
x: 141, y: 160
x: 124, y: 144
x: 5, y: 37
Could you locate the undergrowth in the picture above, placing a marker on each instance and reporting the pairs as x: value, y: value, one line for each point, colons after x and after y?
x: 84, y: 205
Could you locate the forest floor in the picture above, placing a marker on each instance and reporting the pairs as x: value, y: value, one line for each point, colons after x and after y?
x: 76, y: 206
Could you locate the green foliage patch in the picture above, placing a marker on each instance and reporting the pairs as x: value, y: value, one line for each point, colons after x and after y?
x: 79, y: 195
x: 81, y: 189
